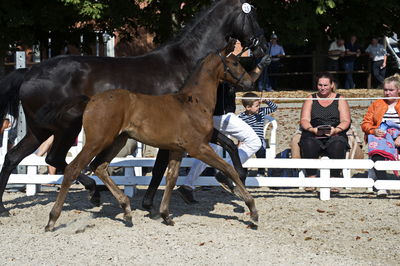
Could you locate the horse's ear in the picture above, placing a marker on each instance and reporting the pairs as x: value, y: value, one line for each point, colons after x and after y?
x: 230, y: 47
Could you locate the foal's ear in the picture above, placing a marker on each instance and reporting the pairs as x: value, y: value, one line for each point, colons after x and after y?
x: 230, y: 47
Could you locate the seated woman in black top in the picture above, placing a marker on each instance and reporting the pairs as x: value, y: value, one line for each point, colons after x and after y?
x: 325, y: 121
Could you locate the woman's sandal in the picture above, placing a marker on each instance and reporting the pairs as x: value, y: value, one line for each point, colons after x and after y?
x: 310, y: 189
x: 335, y: 190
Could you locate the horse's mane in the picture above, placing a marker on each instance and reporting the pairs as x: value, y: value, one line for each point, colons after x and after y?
x: 198, y: 22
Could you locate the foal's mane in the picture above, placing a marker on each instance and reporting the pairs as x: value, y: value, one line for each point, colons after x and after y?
x: 196, y: 71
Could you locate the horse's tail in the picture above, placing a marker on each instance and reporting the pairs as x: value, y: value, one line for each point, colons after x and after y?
x: 9, y: 93
x: 62, y: 113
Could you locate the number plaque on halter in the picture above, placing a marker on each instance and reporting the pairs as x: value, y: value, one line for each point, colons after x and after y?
x: 246, y: 7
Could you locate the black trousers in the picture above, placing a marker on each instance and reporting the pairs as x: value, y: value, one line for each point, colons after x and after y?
x: 380, y: 175
x: 312, y: 148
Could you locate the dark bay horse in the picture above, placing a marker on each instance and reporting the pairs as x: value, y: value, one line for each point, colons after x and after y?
x: 54, y: 87
x: 179, y: 123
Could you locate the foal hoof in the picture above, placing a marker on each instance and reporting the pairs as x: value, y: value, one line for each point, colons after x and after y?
x: 168, y: 221
x: 49, y: 228
x: 128, y: 219
x: 254, y: 216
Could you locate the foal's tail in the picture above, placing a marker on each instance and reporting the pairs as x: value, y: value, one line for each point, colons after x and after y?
x: 9, y: 92
x: 63, y: 112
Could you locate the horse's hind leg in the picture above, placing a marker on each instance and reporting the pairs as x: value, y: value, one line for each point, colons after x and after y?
x: 231, y: 148
x: 63, y: 141
x: 175, y: 159
x: 24, y: 148
x: 208, y: 155
x: 100, y: 165
x: 158, y: 171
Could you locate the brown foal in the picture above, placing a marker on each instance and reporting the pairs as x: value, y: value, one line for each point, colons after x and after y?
x: 179, y: 122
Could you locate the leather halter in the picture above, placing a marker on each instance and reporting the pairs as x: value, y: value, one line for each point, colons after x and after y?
x: 228, y: 70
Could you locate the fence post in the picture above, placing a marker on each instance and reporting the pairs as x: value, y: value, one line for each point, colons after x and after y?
x: 325, y: 192
x: 130, y: 191
x: 20, y: 62
x: 32, y: 189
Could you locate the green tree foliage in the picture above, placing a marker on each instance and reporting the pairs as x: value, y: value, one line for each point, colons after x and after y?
x: 302, y: 23
x: 298, y: 23
x: 30, y: 22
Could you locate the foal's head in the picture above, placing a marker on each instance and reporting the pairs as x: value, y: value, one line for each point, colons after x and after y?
x: 234, y: 72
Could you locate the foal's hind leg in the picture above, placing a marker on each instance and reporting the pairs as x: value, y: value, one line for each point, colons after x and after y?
x: 13, y: 157
x: 208, y: 155
x: 175, y: 159
x: 63, y: 141
x: 100, y: 165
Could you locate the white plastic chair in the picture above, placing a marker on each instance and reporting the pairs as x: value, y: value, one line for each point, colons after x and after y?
x: 271, y: 151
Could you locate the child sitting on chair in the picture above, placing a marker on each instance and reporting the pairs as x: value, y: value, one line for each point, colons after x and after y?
x: 255, y: 117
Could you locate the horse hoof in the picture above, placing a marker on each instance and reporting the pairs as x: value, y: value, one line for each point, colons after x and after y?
x: 147, y: 205
x: 95, y: 199
x: 5, y: 213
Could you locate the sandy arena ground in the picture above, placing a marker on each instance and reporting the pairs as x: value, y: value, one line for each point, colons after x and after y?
x: 295, y: 227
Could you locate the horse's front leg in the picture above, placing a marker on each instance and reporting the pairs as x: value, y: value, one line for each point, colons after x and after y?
x: 13, y: 157
x: 175, y: 159
x: 208, y: 155
x: 158, y: 172
x: 228, y: 145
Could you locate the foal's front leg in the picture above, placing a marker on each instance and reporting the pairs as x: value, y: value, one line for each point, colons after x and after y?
x: 208, y: 155
x: 175, y: 159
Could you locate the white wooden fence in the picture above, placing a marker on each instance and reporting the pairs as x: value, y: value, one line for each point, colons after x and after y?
x: 324, y: 182
x: 133, y: 165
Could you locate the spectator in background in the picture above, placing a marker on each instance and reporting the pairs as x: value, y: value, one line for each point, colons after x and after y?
x: 324, y: 122
x: 352, y: 52
x: 266, y: 82
x: 336, y: 50
x: 43, y: 150
x: 8, y: 122
x: 378, y: 55
x: 255, y: 117
x: 5, y: 125
x: 381, y: 126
